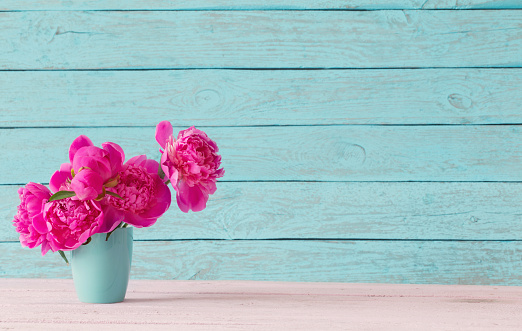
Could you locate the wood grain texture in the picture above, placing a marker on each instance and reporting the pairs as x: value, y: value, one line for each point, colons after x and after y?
x: 247, y: 305
x: 471, y: 4
x: 277, y: 129
x: 471, y: 211
x: 424, y: 262
x: 324, y: 153
x: 255, y: 4
x: 259, y: 97
x: 281, y: 39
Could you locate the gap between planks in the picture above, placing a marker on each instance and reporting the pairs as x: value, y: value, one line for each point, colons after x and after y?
x: 256, y: 126
x: 256, y: 5
x: 259, y: 10
x: 311, y: 239
x: 262, y: 69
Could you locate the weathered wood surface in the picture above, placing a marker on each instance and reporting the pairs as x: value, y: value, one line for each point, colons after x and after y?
x: 260, y: 97
x: 422, y: 211
x: 260, y: 39
x: 366, y: 261
x: 316, y: 153
x: 243, y: 305
x: 256, y: 4
x: 315, y: 188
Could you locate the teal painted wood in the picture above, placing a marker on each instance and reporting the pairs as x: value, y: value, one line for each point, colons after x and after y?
x: 423, y: 211
x: 281, y: 39
x: 471, y: 4
x: 419, y: 215
x: 312, y: 153
x: 255, y: 4
x: 260, y: 97
x: 435, y: 262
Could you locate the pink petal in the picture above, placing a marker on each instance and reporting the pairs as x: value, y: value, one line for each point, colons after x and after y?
x: 174, y: 177
x: 78, y: 143
x: 53, y: 244
x: 95, y: 159
x: 163, y: 132
x: 66, y: 167
x: 152, y: 166
x: 210, y: 187
x: 34, y: 201
x: 23, y: 241
x: 163, y: 163
x: 112, y: 217
x: 171, y: 173
x: 190, y: 198
x: 219, y: 173
x: 45, y: 247
x: 138, y: 221
x: 78, y: 242
x: 87, y: 184
x: 116, y: 156
x: 194, y: 168
x: 40, y: 224
x: 137, y: 160
x: 163, y: 200
x: 60, y: 177
x: 37, y: 189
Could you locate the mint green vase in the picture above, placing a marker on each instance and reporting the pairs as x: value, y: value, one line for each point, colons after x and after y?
x: 101, y: 268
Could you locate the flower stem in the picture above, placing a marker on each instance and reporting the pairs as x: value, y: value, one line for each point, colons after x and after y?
x: 109, y: 233
x: 62, y: 254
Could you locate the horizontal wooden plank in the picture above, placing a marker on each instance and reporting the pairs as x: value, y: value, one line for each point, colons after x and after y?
x: 248, y: 305
x: 470, y: 211
x: 239, y: 39
x: 318, y: 153
x: 255, y: 4
x: 425, y: 262
x: 260, y: 97
x: 142, y: 287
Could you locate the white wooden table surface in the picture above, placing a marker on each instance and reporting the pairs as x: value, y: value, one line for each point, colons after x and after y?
x: 166, y: 305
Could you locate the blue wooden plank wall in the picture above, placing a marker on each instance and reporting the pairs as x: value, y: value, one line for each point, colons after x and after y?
x: 363, y: 140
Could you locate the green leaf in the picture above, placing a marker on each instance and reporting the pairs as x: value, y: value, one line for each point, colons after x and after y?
x: 113, y: 182
x: 62, y: 195
x: 64, y: 257
x: 161, y: 173
x: 116, y: 195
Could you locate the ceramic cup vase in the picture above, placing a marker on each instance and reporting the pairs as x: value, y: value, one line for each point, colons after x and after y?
x: 101, y: 268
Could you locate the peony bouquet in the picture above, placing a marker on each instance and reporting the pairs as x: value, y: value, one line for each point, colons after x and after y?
x: 98, y: 192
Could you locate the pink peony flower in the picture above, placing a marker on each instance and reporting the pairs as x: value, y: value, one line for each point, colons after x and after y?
x: 61, y: 181
x: 71, y: 222
x: 29, y: 221
x: 191, y: 163
x: 94, y: 167
x: 145, y: 197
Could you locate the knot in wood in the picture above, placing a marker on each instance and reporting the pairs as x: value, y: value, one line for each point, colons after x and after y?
x: 207, y: 98
x: 459, y: 101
